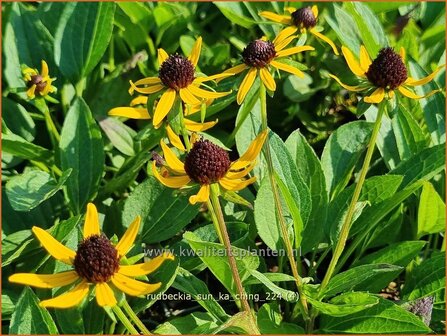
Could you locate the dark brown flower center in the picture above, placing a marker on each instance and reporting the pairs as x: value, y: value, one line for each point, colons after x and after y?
x: 206, y: 162
x: 387, y: 70
x: 258, y: 53
x: 96, y: 259
x: 304, y: 18
x: 38, y: 81
x: 176, y: 72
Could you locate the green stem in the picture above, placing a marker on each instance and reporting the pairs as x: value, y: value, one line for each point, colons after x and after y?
x: 282, y: 224
x: 215, y: 220
x: 135, y: 319
x: 214, y: 195
x: 124, y: 320
x: 350, y: 213
x: 183, y: 127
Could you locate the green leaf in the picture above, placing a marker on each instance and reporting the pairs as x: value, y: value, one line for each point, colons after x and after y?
x: 399, y: 254
x: 427, y: 278
x: 341, y: 153
x: 279, y: 292
x: 383, y: 318
x: 82, y: 36
x: 353, y: 277
x: 120, y: 135
x: 369, y: 26
x: 214, y: 256
x: 194, y: 323
x: 309, y: 167
x: 81, y: 149
x: 235, y: 12
x: 33, y: 187
x: 345, y: 27
x: 345, y: 304
x: 17, y: 146
x: 18, y: 119
x: 431, y: 212
x: 30, y: 318
x: 422, y: 166
x: 158, y: 205
x: 190, y: 284
x: 270, y: 321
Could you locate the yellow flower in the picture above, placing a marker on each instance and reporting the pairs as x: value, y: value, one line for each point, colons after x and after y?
x: 38, y: 83
x: 134, y: 112
x: 304, y: 19
x: 261, y: 54
x: 385, y: 74
x: 176, y: 76
x: 207, y: 163
x: 96, y: 262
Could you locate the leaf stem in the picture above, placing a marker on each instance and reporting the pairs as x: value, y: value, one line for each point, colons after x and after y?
x: 282, y: 224
x: 124, y: 320
x: 214, y: 195
x: 135, y: 319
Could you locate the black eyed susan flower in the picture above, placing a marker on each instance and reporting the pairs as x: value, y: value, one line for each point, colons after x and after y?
x: 304, y: 18
x: 176, y: 76
x: 385, y: 74
x: 205, y: 164
x: 96, y: 262
x: 260, y: 54
x: 38, y: 83
x: 135, y: 112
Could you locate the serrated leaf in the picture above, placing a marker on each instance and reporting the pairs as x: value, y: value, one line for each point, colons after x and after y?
x: 345, y: 304
x: 81, y: 149
x: 279, y: 292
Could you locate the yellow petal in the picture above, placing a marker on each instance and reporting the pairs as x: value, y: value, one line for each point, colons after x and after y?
x: 164, y: 106
x: 352, y: 62
x: 193, y: 126
x: 234, y: 70
x: 284, y: 43
x: 69, y: 299
x: 148, y: 81
x: 315, y: 10
x: 376, y: 97
x: 174, y: 139
x: 402, y: 53
x: 170, y: 181
x: 45, y: 280
x: 91, y: 224
x: 267, y: 79
x: 44, y: 71
x: 31, y: 91
x: 237, y: 184
x: 325, y: 39
x: 173, y: 162
x: 148, y: 90
x: 251, y: 153
x: 246, y: 85
x: 130, y: 112
x: 241, y: 173
x: 413, y: 82
x: 347, y: 87
x: 140, y: 100
x: 365, y: 60
x: 391, y: 94
x: 133, y: 287
x: 188, y: 97
x: 408, y: 93
x: 145, y: 268
x: 293, y: 50
x: 290, y: 9
x: 288, y: 68
x: 284, y: 19
x: 195, y: 54
x: 195, y: 90
x: 283, y: 34
x: 104, y: 295
x: 56, y: 249
x: 220, y: 76
x: 128, y: 238
x: 162, y: 56
x: 202, y: 196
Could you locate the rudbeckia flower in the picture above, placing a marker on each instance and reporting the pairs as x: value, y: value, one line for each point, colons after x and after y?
x: 176, y: 76
x: 259, y: 55
x: 38, y: 83
x: 135, y: 112
x: 304, y: 19
x: 385, y: 74
x: 207, y: 163
x: 96, y: 263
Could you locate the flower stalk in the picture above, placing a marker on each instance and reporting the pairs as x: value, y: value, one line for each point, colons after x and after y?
x: 135, y: 319
x: 282, y: 224
x: 124, y: 320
